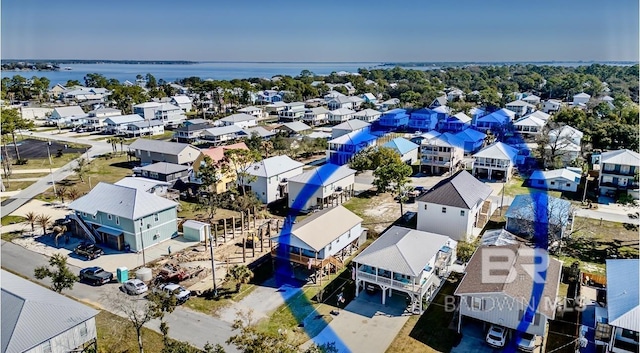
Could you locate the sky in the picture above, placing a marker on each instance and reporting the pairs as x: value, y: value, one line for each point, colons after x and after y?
x: 321, y: 31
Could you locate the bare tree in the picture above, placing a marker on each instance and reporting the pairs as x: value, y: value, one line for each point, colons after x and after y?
x: 558, y: 144
x: 539, y: 213
x: 137, y: 311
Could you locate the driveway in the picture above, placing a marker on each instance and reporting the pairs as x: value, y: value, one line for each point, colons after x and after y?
x: 365, y: 325
x: 473, y: 339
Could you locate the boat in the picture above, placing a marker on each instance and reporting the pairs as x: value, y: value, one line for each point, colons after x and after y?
x: 67, y: 68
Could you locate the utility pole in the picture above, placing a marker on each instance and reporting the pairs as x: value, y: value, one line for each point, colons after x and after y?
x: 144, y: 261
x: 213, y: 265
x: 504, y: 185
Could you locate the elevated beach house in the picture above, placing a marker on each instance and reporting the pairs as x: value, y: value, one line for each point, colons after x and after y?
x: 153, y: 151
x: 267, y: 179
x: 495, y: 162
x: 321, y: 187
x: 343, y: 148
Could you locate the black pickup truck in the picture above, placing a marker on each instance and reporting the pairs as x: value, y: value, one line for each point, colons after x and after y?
x: 95, y: 275
x: 88, y: 250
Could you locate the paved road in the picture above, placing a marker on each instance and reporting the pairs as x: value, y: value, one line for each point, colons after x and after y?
x: 185, y: 325
x: 40, y: 186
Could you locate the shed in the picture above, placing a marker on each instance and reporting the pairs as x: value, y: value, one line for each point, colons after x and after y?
x: 195, y: 230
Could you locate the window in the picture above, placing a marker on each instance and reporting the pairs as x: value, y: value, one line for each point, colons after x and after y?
x: 83, y: 329
x: 462, y: 213
x: 94, y: 216
x: 425, y: 206
x: 156, y: 217
x: 476, y: 303
x: 109, y: 217
x: 553, y: 183
x: 148, y: 153
x: 568, y: 185
x: 609, y: 167
x: 444, y: 210
x: 117, y: 220
x: 624, y: 169
x: 84, y: 214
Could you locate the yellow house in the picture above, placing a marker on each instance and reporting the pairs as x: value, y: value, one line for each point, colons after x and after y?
x: 217, y: 154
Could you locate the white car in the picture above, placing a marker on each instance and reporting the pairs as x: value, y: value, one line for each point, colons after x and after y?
x: 181, y: 293
x: 134, y: 287
x: 527, y: 342
x: 497, y: 336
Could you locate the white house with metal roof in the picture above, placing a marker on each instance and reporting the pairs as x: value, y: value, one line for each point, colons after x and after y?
x: 267, y: 179
x: 407, y: 150
x: 118, y: 124
x: 564, y: 179
x: 316, y: 116
x: 321, y: 187
x: 146, y: 110
x: 350, y: 126
x: 581, y: 99
x: 623, y: 305
x: 151, y: 186
x: 340, y: 115
x: 182, y: 101
x: 251, y: 110
x: 458, y: 207
x: 144, y: 128
x: 405, y: 260
x: 240, y: 120
x: 152, y: 151
x: 293, y: 111
x: 521, y: 108
x: 36, y: 319
x: 495, y: 161
x: 618, y: 170
x: 529, y: 125
x: 169, y: 114
x: 223, y: 133
x: 367, y: 115
x: 443, y: 153
x: 124, y: 217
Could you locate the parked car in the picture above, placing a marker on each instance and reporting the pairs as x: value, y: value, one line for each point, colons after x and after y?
x: 88, y: 250
x: 371, y: 288
x: 134, y: 287
x: 182, y: 294
x: 95, y: 275
x: 527, y: 342
x: 497, y: 336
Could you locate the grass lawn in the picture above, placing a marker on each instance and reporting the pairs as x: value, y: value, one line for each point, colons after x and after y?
x: 6, y: 220
x: 429, y: 332
x: 115, y: 334
x: 16, y: 185
x: 15, y: 176
x: 192, y: 210
x: 40, y: 163
x: 227, y: 295
x: 515, y: 187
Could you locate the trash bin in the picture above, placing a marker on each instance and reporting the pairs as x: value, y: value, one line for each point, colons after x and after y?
x: 122, y: 273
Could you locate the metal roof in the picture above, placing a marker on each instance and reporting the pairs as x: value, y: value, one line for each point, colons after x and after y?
x: 323, y: 175
x: 236, y: 118
x: 498, y: 150
x: 297, y: 126
x: 260, y: 131
x: 352, y: 125
x: 622, y: 157
x: 143, y: 184
x: 342, y: 111
x: 121, y: 201
x: 273, y: 166
x: 166, y: 147
x: 563, y: 173
x: 354, y: 138
x: 192, y: 224
x: 224, y: 130
x: 148, y: 123
x: 401, y: 145
x: 460, y: 190
x: 69, y: 111
x: 367, y: 112
x: 32, y: 314
x: 403, y: 250
x: 524, y: 207
x: 623, y: 295
x: 123, y: 119
x: 164, y: 168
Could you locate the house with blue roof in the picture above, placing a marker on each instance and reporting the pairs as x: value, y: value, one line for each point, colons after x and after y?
x: 269, y: 96
x: 423, y: 119
x: 623, y: 304
x: 495, y: 161
x: 495, y: 121
x: 472, y: 139
x: 343, y: 148
x: 440, y: 154
x: 394, y: 118
x: 530, y: 212
x: 455, y: 123
x: 407, y: 150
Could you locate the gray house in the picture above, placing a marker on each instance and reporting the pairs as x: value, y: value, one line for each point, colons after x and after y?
x: 152, y: 151
x: 163, y: 171
x: 36, y: 319
x: 119, y: 216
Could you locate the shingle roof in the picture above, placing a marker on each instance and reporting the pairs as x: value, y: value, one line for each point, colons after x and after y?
x: 352, y: 125
x: 498, y: 150
x: 498, y: 237
x: 194, y: 127
x: 217, y: 153
x: 273, y: 166
x: 403, y: 250
x: 166, y: 147
x: 121, y: 201
x: 460, y: 190
x: 622, y: 157
x: 323, y: 175
x: 522, y: 284
x: 401, y: 145
x: 321, y: 228
x: 623, y: 294
x: 32, y: 314
x: 236, y: 118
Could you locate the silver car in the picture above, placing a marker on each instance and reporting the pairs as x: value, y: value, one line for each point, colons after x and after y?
x: 134, y: 287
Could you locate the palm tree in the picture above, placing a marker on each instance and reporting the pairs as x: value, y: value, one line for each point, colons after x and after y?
x: 73, y: 193
x: 241, y: 274
x: 81, y: 169
x: 44, y: 221
x: 61, y: 192
x: 32, y: 219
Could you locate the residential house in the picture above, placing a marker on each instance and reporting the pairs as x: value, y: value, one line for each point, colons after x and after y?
x: 156, y: 187
x: 551, y: 106
x: 395, y: 118
x: 343, y: 148
x: 349, y: 127
x: 439, y: 102
x: 251, y: 110
x: 608, y: 100
x: 455, y: 206
x: 169, y: 114
x: 119, y: 124
x: 294, y: 111
x: 223, y: 134
x: 146, y: 110
x: 623, y: 305
x: 472, y: 139
x: 531, y: 99
x: 423, y: 119
x: 495, y: 162
x: 294, y: 128
x: 520, y: 107
x: 405, y: 260
x: 63, y: 324
x: 496, y: 121
x: 142, y: 128
x: 183, y: 101
x: 455, y: 95
x: 197, y: 121
x: 418, y: 138
x: 268, y: 177
x: 443, y: 153
x: 96, y: 118
x: 618, y: 173
x: 477, y: 112
x: 580, y: 99
x: 331, y: 95
x: 61, y: 116
x: 356, y: 101
x: 240, y: 120
x: 316, y: 116
x: 275, y: 108
x: 262, y: 132
x: 388, y: 104
x: 190, y: 133
x: 407, y: 150
x: 269, y: 96
x: 122, y: 217
x: 367, y: 115
x: 503, y: 296
x: 321, y: 241
x: 455, y: 123
x: 321, y: 187
x: 565, y: 143
x: 340, y: 102
x: 526, y: 216
x: 217, y: 155
x: 180, y: 89
x: 101, y: 111
x: 163, y: 171
x: 565, y: 179
x: 57, y: 90
x: 370, y: 98
x: 153, y: 151
x: 529, y: 125
x: 340, y: 115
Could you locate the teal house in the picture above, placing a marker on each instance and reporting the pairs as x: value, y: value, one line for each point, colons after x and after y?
x: 124, y: 218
